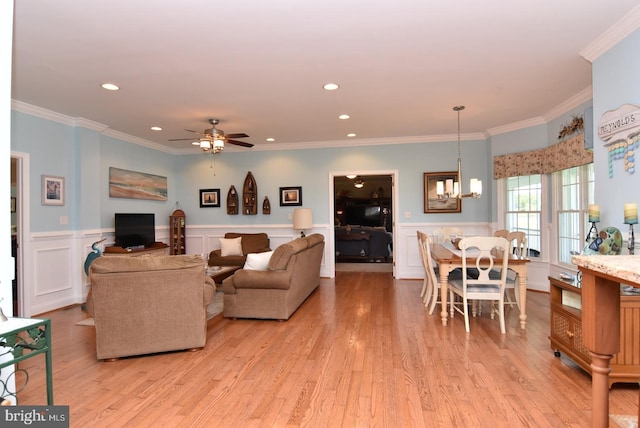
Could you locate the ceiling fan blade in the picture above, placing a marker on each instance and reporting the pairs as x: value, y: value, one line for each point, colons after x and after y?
x: 195, y: 132
x: 240, y: 135
x: 240, y: 143
x: 183, y: 139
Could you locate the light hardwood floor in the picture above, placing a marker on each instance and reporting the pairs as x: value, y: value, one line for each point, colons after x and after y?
x: 361, y: 351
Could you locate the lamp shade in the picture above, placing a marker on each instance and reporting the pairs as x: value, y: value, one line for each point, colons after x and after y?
x: 302, y: 218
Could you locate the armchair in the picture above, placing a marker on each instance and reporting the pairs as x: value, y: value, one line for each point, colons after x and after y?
x: 148, y: 304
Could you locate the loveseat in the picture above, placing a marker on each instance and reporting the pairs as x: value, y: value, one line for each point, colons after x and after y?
x: 148, y: 304
x: 231, y: 254
x: 363, y: 242
x: 292, y: 274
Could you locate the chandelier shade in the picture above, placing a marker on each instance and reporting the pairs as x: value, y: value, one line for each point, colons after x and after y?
x: 452, y: 189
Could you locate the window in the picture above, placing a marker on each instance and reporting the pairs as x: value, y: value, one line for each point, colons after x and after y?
x: 575, y: 193
x: 524, y: 209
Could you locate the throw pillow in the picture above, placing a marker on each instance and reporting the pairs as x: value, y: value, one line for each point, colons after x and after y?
x: 258, y: 261
x: 231, y: 247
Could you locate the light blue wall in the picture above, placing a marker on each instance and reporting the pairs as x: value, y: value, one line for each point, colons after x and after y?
x: 311, y: 168
x: 53, y: 151
x: 123, y: 155
x: 616, y: 81
x: 83, y: 157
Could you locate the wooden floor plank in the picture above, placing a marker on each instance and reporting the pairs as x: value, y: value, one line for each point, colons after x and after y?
x: 361, y: 351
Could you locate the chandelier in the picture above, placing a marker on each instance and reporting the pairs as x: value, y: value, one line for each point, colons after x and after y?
x: 452, y: 189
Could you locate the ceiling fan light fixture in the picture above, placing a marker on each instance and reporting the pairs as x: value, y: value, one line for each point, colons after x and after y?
x: 218, y: 145
x: 205, y: 144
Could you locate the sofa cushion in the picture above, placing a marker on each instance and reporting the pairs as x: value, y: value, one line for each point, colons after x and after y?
x: 231, y: 247
x: 258, y: 261
x: 251, y: 242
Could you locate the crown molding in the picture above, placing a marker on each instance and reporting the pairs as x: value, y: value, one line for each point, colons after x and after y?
x: 628, y: 24
x: 136, y: 140
x: 580, y: 98
x: 515, y: 126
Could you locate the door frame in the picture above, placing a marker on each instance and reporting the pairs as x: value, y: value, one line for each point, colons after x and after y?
x: 394, y: 212
x: 23, y: 229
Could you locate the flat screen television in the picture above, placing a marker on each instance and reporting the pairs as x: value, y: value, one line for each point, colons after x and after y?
x: 364, y: 215
x: 134, y: 229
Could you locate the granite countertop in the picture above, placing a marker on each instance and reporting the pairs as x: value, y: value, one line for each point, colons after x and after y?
x: 625, y: 268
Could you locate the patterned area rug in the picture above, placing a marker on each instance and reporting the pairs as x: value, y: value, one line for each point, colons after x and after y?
x: 214, y: 308
x: 216, y: 305
x: 624, y: 421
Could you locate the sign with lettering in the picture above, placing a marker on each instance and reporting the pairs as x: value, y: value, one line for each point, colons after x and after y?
x: 620, y: 130
x: 619, y: 124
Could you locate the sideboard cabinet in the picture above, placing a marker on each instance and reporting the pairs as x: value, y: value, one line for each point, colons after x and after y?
x: 566, y: 331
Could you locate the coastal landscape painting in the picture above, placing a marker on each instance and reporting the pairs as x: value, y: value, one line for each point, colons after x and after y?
x: 136, y: 185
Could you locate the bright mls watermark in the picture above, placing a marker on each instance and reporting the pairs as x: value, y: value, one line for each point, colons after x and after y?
x: 34, y: 416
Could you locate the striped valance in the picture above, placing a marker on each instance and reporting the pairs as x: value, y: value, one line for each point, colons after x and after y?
x: 562, y: 155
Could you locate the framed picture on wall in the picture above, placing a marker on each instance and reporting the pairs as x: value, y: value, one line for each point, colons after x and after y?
x: 13, y: 204
x: 209, y: 198
x: 291, y: 196
x: 435, y: 204
x: 52, y: 190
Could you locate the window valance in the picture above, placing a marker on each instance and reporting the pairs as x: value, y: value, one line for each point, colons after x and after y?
x: 562, y: 155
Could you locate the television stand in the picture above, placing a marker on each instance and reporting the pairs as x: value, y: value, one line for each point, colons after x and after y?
x: 157, y: 249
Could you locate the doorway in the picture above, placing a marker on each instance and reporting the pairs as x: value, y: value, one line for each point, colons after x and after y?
x: 363, y: 222
x: 19, y: 228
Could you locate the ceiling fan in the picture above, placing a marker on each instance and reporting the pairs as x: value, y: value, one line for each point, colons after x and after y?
x: 213, y: 139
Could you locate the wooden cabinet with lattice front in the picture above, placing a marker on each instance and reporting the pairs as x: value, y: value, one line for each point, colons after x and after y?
x: 566, y: 331
x: 177, y: 235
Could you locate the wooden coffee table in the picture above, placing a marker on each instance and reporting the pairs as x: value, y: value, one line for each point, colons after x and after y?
x: 220, y: 273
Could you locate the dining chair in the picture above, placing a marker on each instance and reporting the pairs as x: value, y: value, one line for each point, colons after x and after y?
x: 431, y: 283
x: 430, y: 280
x: 518, y: 242
x: 501, y: 232
x: 488, y: 253
x: 518, y: 245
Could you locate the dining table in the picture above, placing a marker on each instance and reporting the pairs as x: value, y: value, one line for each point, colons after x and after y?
x: 448, y: 258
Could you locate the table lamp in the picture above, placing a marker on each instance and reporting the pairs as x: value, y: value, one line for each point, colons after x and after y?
x: 631, y: 218
x: 302, y: 219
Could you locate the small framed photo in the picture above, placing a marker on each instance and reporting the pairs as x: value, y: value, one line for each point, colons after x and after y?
x: 52, y: 190
x: 291, y: 196
x: 438, y: 204
x: 13, y: 204
x: 209, y: 198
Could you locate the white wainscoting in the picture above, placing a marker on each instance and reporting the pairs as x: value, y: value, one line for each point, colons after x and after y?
x: 54, y: 262
x: 53, y: 275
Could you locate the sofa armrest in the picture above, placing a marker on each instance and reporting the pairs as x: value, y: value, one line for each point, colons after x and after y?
x: 258, y: 279
x: 209, y: 290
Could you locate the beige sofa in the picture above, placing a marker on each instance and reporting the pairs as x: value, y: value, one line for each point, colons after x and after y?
x: 148, y: 304
x: 292, y: 275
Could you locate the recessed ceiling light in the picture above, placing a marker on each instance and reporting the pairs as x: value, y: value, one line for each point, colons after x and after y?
x: 271, y: 139
x: 156, y: 128
x: 331, y: 86
x: 351, y: 134
x: 344, y: 116
x: 110, y: 86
